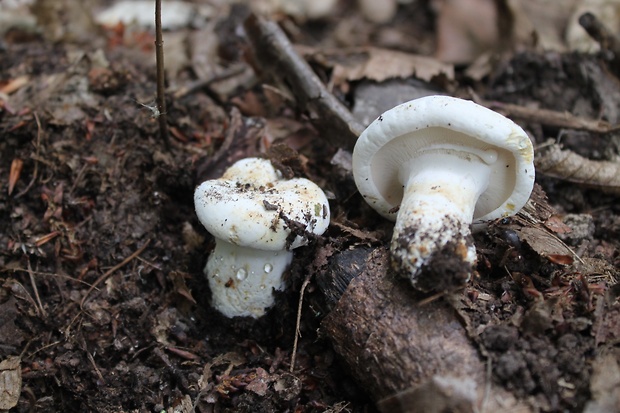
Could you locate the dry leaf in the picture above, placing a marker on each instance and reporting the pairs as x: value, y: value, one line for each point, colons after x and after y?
x: 466, y: 29
x: 16, y: 170
x: 560, y: 259
x: 541, y: 23
x: 543, y: 242
x: 382, y: 64
x: 179, y: 285
x: 14, y: 84
x: 567, y: 165
x: 555, y: 224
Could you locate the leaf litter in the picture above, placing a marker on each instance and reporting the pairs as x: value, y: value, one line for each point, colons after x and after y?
x: 104, y: 306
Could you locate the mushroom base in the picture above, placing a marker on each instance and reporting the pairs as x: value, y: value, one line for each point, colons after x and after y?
x: 447, y: 266
x: 242, y: 279
x: 432, y: 243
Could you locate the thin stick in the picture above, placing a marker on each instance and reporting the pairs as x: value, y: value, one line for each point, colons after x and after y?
x: 297, y: 324
x: 161, y: 97
x: 36, y: 291
x: 113, y: 269
x: 274, y: 53
x: 92, y: 361
x: 550, y: 117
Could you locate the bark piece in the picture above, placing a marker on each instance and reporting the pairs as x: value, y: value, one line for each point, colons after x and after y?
x: 398, y: 349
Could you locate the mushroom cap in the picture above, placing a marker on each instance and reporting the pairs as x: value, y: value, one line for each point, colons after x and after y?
x: 431, y: 122
x: 251, y: 205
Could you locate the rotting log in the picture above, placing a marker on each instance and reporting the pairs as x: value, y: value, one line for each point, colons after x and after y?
x: 410, y: 357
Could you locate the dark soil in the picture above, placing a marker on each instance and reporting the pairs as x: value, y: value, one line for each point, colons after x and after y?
x: 102, y: 294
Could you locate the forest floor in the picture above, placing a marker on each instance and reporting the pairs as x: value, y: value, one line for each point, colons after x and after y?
x: 103, y: 303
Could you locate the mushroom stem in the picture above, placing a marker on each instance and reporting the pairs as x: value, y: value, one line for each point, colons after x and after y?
x: 242, y: 279
x: 432, y: 243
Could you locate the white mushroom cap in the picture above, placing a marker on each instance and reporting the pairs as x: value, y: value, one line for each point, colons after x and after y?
x: 243, y: 206
x: 436, y: 165
x: 401, y: 133
x: 250, y: 211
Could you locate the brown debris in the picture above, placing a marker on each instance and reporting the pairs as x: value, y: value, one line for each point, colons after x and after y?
x: 275, y: 54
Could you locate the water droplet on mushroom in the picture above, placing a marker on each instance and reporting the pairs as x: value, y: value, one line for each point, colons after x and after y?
x: 242, y: 274
x: 489, y: 156
x: 268, y: 268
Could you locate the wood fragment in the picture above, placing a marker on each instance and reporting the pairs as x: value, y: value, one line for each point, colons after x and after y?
x: 606, y: 39
x: 549, y: 117
x: 569, y: 166
x: 41, y: 309
x: 161, y: 91
x: 274, y: 54
x: 298, y: 322
x: 410, y: 357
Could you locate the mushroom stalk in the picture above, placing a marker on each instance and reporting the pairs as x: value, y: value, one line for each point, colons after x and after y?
x: 432, y: 234
x: 256, y: 217
x: 242, y: 279
x: 442, y: 163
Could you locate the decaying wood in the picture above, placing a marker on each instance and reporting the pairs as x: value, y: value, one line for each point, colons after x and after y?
x: 410, y: 357
x: 549, y: 117
x: 571, y: 167
x: 606, y: 39
x: 274, y: 54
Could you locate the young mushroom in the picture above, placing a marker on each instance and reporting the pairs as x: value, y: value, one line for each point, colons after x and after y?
x: 435, y: 165
x: 257, y: 219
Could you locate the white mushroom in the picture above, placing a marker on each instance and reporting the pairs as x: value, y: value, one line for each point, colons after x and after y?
x: 257, y: 218
x: 435, y: 165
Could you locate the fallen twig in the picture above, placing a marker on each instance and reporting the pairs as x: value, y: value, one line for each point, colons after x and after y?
x: 202, y: 83
x: 550, y: 117
x: 606, y: 39
x: 36, y: 291
x: 161, y: 92
x: 274, y: 53
x: 567, y: 165
x: 112, y: 270
x: 298, y: 322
